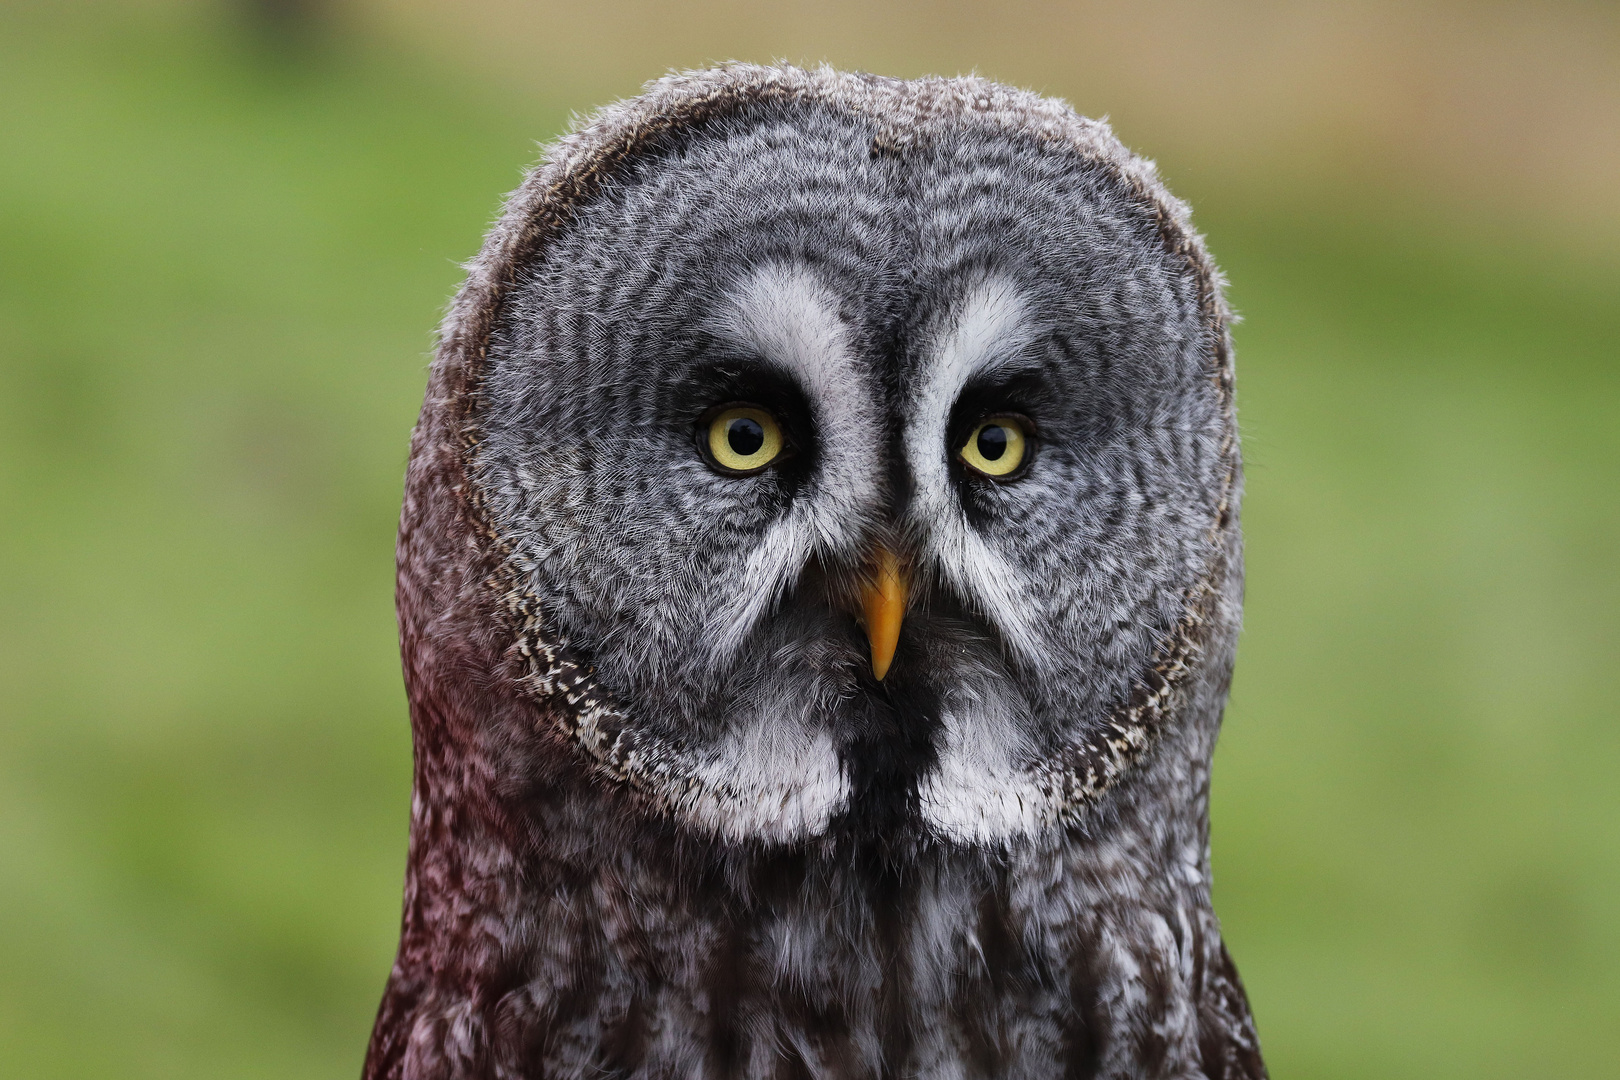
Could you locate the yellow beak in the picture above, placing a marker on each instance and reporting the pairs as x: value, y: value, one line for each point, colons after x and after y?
x: 883, y: 600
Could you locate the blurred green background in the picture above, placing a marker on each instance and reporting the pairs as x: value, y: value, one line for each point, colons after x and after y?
x: 227, y: 231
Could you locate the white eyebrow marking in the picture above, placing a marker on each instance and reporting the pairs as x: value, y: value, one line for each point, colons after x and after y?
x: 988, y: 332
x: 986, y: 335
x: 788, y: 317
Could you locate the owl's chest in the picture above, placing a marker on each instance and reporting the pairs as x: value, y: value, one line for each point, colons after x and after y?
x: 954, y: 976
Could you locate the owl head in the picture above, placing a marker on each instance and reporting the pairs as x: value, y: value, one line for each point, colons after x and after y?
x: 823, y: 454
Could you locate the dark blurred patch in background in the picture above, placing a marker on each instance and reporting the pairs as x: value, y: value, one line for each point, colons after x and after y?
x: 226, y: 232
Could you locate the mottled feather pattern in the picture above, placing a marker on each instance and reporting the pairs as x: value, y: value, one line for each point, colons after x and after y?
x: 633, y: 855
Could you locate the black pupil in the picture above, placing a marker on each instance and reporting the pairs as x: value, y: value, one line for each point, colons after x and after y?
x: 992, y: 442
x: 745, y: 436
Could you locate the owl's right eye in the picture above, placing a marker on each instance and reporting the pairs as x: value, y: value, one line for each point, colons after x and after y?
x: 740, y: 440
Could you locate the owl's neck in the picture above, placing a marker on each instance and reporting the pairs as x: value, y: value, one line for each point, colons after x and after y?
x: 548, y: 932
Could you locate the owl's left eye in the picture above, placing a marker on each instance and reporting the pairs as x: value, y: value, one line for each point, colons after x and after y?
x: 997, y: 446
x: 741, y: 439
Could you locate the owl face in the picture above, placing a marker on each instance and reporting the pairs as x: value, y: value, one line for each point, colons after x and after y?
x: 779, y: 389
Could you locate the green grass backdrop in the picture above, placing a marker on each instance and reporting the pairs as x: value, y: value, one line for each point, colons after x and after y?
x: 221, y: 258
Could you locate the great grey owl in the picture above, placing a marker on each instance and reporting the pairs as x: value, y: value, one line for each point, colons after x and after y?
x: 818, y: 584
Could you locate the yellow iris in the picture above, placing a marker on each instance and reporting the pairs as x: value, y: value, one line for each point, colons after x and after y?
x: 743, y: 439
x: 996, y: 447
